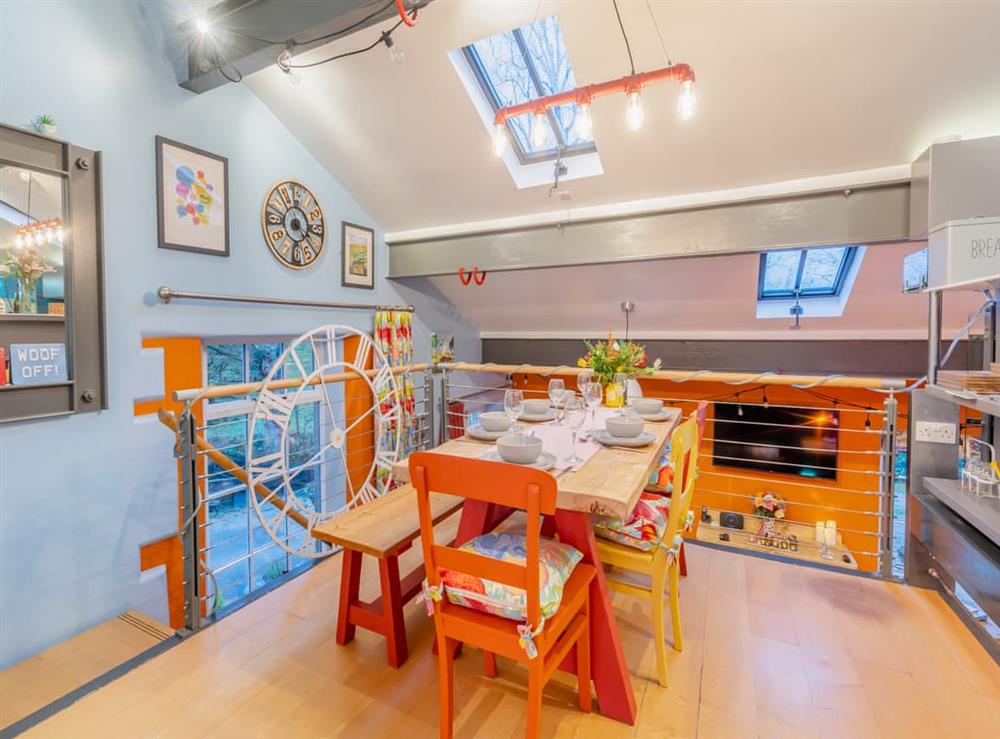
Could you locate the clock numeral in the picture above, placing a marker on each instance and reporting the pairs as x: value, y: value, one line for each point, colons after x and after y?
x: 363, y: 352
x: 315, y: 214
x: 316, y: 228
x: 277, y: 235
x: 310, y: 254
x: 297, y: 254
x: 285, y: 197
x: 274, y: 407
x: 274, y: 219
x: 267, y: 466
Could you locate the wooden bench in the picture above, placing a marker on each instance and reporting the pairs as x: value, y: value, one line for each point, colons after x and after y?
x: 384, y: 528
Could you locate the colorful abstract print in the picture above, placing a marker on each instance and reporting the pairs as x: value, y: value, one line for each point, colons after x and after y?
x: 557, y: 563
x: 195, y: 196
x: 644, y: 528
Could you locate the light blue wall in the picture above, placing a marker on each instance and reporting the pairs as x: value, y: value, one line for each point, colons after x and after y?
x: 78, y: 496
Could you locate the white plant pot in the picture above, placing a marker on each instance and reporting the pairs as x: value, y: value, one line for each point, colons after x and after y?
x: 48, y: 130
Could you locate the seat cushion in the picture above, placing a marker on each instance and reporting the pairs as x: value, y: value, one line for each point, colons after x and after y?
x: 557, y: 563
x: 663, y: 476
x: 644, y: 528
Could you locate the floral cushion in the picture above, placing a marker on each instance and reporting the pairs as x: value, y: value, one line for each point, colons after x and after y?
x: 663, y: 475
x: 557, y: 563
x: 645, y: 527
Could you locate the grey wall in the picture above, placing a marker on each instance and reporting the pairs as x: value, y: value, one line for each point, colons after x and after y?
x: 902, y: 358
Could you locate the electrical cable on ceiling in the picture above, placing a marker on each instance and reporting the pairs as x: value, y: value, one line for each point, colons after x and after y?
x: 380, y: 40
x: 325, y: 37
x: 670, y: 62
x: 628, y: 46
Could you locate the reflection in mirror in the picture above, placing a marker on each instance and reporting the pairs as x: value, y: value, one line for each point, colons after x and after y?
x: 32, y: 230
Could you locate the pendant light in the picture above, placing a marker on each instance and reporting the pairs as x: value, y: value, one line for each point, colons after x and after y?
x: 633, y: 110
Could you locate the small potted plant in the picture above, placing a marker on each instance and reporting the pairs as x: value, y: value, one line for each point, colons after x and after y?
x: 613, y: 357
x: 768, y: 507
x: 46, y: 125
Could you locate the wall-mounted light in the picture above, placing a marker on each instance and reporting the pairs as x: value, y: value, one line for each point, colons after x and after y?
x: 284, y: 63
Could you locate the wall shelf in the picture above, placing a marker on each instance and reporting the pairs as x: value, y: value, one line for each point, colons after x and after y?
x: 981, y: 513
x: 989, y: 404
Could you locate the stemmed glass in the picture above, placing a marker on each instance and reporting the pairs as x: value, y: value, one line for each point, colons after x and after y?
x: 557, y: 391
x: 584, y: 378
x: 513, y: 404
x: 593, y: 392
x: 576, y: 414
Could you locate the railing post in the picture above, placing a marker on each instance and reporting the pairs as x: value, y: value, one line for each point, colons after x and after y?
x: 444, y: 406
x: 887, y: 499
x: 427, y: 438
x: 187, y: 452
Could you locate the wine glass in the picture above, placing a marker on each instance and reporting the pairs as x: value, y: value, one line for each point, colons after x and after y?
x: 593, y: 393
x: 513, y: 404
x: 584, y: 378
x: 557, y: 389
x: 576, y: 414
x: 620, y: 383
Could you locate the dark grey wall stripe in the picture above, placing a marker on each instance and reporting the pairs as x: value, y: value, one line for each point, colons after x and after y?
x: 902, y: 358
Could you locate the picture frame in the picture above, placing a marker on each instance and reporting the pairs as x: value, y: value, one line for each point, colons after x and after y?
x: 192, y: 199
x: 357, y: 256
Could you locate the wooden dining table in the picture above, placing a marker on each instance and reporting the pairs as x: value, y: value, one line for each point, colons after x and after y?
x: 608, y: 483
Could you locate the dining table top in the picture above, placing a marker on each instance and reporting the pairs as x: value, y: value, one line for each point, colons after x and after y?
x: 608, y: 484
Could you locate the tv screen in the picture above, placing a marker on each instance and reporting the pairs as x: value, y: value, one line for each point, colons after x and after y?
x: 788, y: 441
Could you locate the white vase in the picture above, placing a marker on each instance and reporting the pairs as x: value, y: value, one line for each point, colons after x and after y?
x: 633, y: 389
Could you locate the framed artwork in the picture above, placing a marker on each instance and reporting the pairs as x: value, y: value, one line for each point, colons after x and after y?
x: 192, y: 199
x: 357, y: 256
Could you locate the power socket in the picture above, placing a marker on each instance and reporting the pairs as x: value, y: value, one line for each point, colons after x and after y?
x: 936, y: 432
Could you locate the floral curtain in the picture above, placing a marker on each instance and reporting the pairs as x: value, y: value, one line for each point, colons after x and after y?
x: 394, y: 337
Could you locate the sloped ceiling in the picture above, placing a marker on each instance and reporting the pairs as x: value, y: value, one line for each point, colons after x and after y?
x: 696, y: 298
x: 786, y: 90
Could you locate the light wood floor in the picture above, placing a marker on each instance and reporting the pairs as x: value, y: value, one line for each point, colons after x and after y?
x: 772, y: 650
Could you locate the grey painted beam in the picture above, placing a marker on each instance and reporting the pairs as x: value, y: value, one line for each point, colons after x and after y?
x: 868, y: 215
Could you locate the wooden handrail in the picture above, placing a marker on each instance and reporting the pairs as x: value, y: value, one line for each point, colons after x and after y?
x: 262, y: 491
x: 245, y: 388
x: 762, y: 378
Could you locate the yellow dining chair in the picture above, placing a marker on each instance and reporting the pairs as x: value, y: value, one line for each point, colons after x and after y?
x: 649, y: 542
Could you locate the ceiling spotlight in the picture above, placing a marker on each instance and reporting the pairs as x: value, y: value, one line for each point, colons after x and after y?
x: 203, y: 25
x: 583, y: 127
x: 499, y: 139
x: 539, y: 134
x: 633, y: 111
x: 687, y: 103
x: 284, y: 63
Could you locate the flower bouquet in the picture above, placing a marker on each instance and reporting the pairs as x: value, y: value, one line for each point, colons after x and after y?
x: 26, y: 266
x: 768, y: 507
x: 613, y: 357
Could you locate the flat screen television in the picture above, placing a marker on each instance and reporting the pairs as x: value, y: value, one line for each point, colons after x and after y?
x: 787, y: 441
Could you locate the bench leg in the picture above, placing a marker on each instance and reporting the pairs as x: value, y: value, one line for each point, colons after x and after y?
x: 350, y: 584
x: 392, y: 610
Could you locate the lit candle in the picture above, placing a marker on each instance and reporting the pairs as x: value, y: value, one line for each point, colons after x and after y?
x: 820, y: 532
x: 831, y: 533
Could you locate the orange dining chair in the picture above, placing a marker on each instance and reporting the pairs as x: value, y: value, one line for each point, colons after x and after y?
x: 649, y: 543
x: 513, y: 594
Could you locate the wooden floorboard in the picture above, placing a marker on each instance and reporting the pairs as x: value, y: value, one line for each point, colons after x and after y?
x: 771, y: 650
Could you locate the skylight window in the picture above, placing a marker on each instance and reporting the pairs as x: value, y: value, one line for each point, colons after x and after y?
x: 524, y: 64
x: 816, y: 273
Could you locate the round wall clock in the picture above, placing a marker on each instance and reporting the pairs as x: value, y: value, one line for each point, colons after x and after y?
x: 313, y: 457
x: 294, y: 227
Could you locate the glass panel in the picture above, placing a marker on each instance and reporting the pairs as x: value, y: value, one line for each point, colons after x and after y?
x: 306, y: 487
x: 32, y: 228
x: 305, y: 354
x: 303, y: 435
x: 547, y: 51
x: 226, y: 535
x: 781, y: 270
x: 821, y: 269
x: 229, y: 436
x: 262, y: 358
x: 269, y: 565
x: 224, y: 366
x: 233, y: 583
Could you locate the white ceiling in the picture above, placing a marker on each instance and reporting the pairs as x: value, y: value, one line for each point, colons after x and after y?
x: 786, y: 90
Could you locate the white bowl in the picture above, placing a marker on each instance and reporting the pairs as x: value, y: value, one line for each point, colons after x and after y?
x: 624, y: 427
x: 647, y: 406
x: 519, y: 448
x: 536, y: 407
x: 494, y: 421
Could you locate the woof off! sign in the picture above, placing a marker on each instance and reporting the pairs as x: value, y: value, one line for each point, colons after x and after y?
x: 37, y: 364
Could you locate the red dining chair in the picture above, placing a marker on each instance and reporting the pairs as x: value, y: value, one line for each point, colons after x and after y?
x: 513, y: 594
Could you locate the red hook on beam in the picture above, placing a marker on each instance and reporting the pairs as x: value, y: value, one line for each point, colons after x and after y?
x: 407, y: 19
x: 474, y: 275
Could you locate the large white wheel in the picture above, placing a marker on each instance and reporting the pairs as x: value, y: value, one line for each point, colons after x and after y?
x: 274, y: 464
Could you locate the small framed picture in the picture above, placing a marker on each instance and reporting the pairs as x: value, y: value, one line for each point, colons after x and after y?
x: 357, y: 256
x: 192, y: 199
